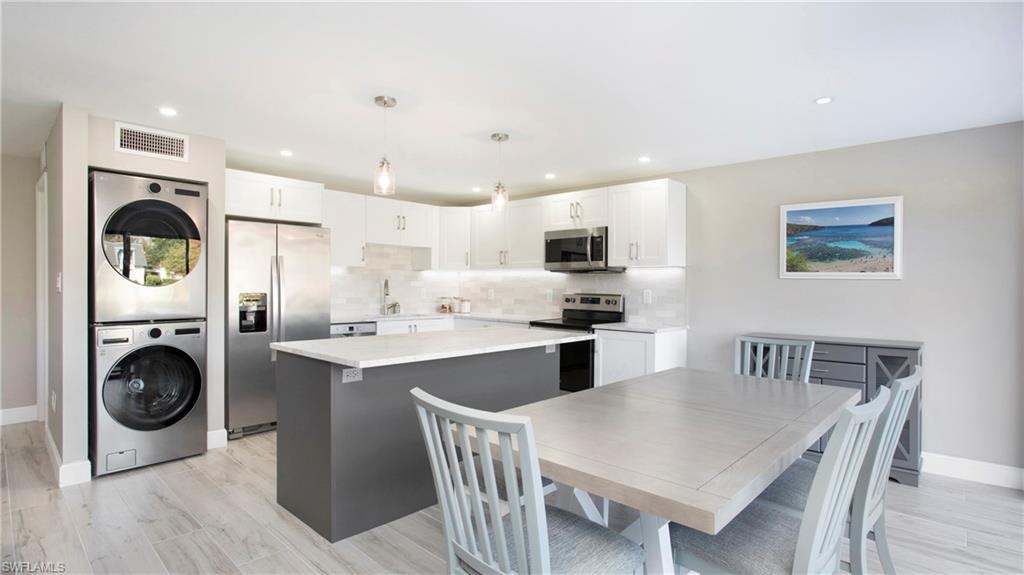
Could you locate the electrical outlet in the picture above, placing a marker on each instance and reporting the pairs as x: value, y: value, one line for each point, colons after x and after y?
x: 53, y: 401
x: 648, y: 296
x: 351, y: 375
x: 550, y: 348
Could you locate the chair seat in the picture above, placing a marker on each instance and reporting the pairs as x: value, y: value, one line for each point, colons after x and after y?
x: 499, y: 480
x: 761, y: 539
x: 578, y: 545
x: 792, y: 487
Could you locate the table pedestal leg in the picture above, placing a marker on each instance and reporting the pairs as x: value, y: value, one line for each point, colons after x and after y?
x: 657, y: 546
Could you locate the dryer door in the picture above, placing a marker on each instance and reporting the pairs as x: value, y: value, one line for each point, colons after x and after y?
x: 151, y: 242
x: 152, y: 388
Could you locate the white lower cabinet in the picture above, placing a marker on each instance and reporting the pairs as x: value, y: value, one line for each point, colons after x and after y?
x: 407, y: 325
x: 627, y: 354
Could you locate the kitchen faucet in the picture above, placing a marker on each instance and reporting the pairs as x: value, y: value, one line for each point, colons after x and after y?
x: 385, y: 307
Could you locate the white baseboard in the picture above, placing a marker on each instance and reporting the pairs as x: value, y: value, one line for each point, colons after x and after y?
x: 67, y: 473
x: 216, y: 438
x: 973, y: 470
x: 14, y: 415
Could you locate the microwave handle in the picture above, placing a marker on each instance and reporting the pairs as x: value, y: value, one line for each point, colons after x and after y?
x: 590, y: 260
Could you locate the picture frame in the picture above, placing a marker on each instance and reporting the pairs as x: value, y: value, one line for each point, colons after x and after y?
x: 846, y: 239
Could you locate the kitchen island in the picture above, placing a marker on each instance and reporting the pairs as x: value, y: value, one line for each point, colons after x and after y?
x: 350, y: 455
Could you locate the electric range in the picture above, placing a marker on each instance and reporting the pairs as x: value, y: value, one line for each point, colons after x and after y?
x: 581, y: 312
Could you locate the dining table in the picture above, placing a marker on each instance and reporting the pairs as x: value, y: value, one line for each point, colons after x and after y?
x: 683, y: 445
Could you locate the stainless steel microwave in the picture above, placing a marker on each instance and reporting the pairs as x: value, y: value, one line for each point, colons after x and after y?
x: 581, y: 250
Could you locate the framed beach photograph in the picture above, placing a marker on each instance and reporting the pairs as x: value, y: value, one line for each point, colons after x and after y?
x: 851, y: 239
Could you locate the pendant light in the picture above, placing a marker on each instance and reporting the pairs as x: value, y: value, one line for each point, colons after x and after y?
x: 384, y: 175
x: 500, y: 195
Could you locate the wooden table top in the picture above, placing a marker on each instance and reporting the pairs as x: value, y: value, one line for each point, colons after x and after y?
x: 691, y: 446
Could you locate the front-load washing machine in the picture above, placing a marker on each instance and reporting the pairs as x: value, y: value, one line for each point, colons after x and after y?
x: 148, y: 396
x: 148, y: 254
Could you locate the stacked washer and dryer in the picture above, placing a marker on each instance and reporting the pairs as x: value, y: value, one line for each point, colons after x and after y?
x: 147, y: 398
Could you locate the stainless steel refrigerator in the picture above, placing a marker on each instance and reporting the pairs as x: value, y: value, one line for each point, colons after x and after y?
x: 279, y: 283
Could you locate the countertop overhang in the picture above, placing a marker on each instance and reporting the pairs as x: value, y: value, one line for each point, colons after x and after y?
x: 381, y: 350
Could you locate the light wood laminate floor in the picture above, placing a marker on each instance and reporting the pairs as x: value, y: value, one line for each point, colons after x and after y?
x: 216, y: 513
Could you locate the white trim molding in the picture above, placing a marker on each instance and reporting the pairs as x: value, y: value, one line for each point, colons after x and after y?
x: 13, y: 415
x: 973, y: 470
x: 216, y: 438
x: 67, y: 473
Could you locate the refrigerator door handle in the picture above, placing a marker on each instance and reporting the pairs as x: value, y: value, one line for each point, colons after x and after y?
x: 280, y: 304
x: 274, y: 300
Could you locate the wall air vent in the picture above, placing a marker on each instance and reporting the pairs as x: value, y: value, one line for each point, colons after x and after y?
x: 143, y: 141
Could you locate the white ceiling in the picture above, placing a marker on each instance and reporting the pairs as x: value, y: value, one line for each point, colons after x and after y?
x: 582, y: 89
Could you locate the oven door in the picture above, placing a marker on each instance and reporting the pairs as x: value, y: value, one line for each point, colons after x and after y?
x: 574, y: 250
x: 576, y: 366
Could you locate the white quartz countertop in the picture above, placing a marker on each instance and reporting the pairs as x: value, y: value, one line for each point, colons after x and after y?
x: 641, y: 326
x: 365, y: 352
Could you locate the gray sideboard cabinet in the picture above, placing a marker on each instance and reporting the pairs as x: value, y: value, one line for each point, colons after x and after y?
x: 866, y: 364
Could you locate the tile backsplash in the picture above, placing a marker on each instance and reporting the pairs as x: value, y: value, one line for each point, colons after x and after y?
x: 355, y: 291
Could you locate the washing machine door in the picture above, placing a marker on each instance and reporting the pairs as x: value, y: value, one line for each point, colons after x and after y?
x: 151, y: 242
x: 152, y: 388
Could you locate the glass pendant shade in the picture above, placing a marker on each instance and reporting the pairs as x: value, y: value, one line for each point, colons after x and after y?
x: 384, y: 179
x: 499, y: 197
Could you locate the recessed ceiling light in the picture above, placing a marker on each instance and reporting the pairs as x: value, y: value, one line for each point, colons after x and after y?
x: 549, y: 176
x: 286, y: 153
x: 168, y: 111
x: 823, y: 100
x: 644, y: 159
x: 476, y: 188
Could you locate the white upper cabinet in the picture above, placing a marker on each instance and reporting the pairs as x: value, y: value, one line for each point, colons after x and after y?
x: 647, y: 224
x: 399, y: 223
x: 510, y: 238
x: 524, y: 234
x: 487, y: 228
x: 584, y: 209
x: 345, y: 215
x: 453, y: 238
x: 252, y: 195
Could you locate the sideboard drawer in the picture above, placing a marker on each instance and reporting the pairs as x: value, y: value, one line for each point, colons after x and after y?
x: 834, y: 370
x: 843, y: 353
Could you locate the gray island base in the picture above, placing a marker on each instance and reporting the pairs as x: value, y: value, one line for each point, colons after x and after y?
x: 350, y: 453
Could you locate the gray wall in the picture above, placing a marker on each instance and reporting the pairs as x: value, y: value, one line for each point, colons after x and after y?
x: 17, y: 309
x: 961, y: 290
x: 67, y: 172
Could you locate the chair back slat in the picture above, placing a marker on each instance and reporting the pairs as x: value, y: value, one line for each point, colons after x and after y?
x: 473, y: 540
x: 868, y: 498
x: 769, y: 358
x: 476, y: 503
x: 828, y: 502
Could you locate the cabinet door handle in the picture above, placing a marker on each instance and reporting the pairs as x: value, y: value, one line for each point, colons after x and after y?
x: 630, y: 250
x: 271, y: 197
x: 637, y: 251
x: 579, y: 210
x: 279, y: 196
x: 572, y: 211
x: 467, y: 259
x: 363, y: 257
x: 398, y: 222
x: 404, y: 223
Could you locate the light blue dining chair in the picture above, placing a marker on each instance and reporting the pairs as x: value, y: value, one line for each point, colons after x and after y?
x: 763, y: 539
x: 532, y: 538
x: 768, y: 357
x: 791, y: 490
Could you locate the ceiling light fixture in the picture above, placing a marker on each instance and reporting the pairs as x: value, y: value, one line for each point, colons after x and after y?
x: 168, y: 111
x: 499, y: 197
x: 644, y: 159
x: 286, y: 153
x: 384, y: 176
x: 823, y: 100
x: 549, y: 176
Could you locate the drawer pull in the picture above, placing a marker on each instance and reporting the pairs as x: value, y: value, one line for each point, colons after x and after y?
x: 819, y: 370
x: 822, y: 352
